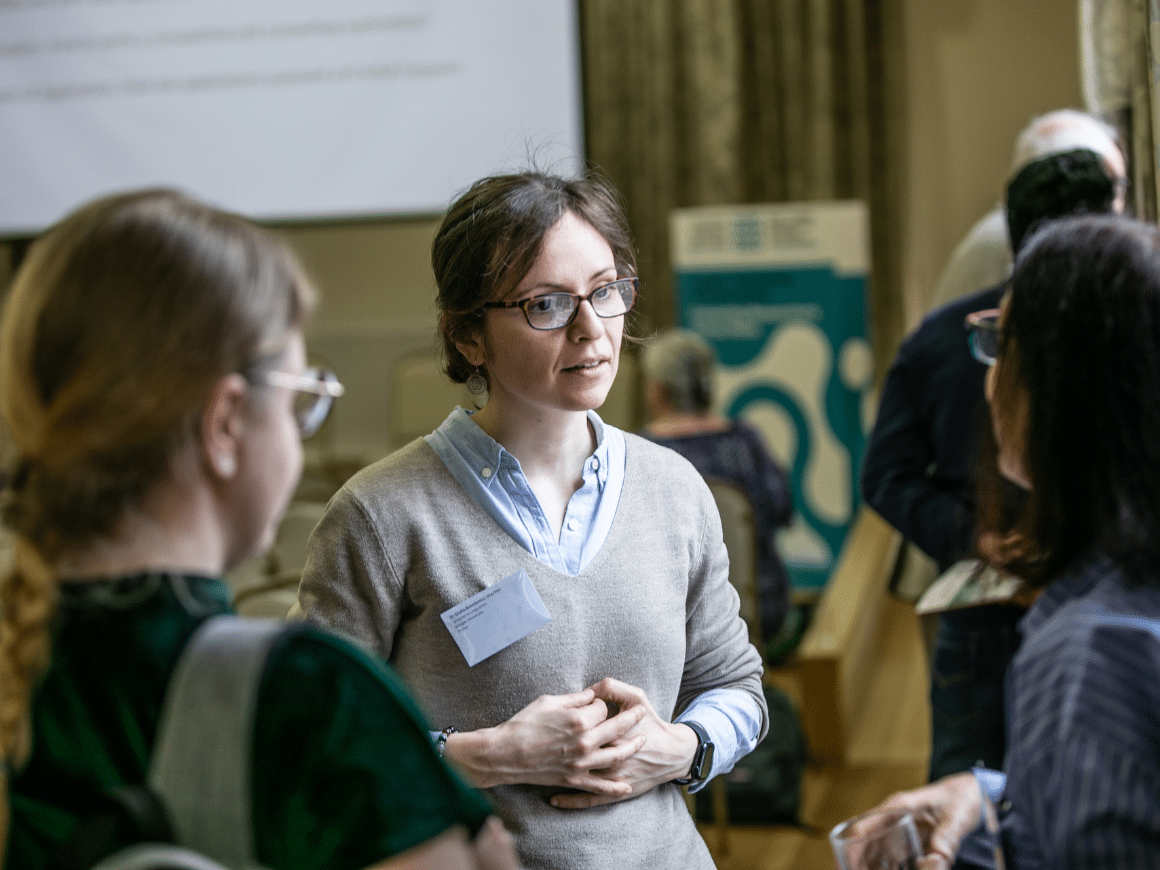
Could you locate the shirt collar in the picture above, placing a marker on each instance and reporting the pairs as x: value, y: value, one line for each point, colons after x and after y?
x: 601, y: 458
x: 485, y: 456
x: 478, y: 450
x: 1076, y: 582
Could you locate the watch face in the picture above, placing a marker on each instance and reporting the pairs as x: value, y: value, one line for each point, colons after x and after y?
x: 702, y: 758
x: 703, y: 762
x: 706, y: 761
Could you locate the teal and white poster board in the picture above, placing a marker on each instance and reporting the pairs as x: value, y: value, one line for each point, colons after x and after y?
x: 780, y: 293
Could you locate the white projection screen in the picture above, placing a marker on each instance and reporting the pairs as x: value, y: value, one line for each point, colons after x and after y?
x: 283, y: 110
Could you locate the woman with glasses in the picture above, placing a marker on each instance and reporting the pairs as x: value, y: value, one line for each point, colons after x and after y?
x: 553, y: 590
x: 155, y: 389
x: 1074, y: 390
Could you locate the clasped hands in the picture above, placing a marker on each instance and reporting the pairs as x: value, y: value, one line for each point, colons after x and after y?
x: 606, y: 741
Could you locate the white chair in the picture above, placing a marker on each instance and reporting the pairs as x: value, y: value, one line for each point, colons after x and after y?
x: 288, y: 553
x: 741, y: 536
x: 274, y: 596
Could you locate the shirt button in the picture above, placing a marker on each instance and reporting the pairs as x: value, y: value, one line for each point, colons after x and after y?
x: 573, y: 525
x: 485, y: 473
x: 595, y: 463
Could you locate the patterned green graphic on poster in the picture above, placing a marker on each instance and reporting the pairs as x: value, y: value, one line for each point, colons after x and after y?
x: 780, y: 292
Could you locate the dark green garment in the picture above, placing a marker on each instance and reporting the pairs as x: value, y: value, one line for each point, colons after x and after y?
x: 344, y: 772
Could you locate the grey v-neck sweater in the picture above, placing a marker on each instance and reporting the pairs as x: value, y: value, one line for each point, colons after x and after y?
x: 402, y: 542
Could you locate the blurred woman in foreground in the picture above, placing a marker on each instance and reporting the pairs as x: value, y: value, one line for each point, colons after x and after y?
x: 156, y: 390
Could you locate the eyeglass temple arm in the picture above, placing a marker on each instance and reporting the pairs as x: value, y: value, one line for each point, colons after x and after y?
x: 324, y: 386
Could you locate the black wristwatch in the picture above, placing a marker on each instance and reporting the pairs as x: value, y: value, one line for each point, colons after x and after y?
x: 702, y: 758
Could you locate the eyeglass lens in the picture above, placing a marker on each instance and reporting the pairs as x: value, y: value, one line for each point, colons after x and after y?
x: 314, y: 393
x: 310, y: 411
x: 311, y: 408
x: 554, y: 310
x: 983, y: 338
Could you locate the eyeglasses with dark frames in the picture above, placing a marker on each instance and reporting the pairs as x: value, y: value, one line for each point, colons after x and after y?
x: 316, y: 390
x: 557, y: 310
x: 983, y: 335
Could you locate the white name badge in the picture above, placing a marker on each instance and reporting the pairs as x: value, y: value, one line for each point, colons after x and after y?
x: 496, y: 618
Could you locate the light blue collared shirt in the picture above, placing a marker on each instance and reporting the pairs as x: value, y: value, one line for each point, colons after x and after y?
x: 494, y: 480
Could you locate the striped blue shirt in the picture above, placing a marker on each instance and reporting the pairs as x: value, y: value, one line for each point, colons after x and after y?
x: 495, y: 481
x: 1082, y: 786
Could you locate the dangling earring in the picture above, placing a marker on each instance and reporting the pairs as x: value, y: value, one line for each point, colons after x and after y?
x: 224, y: 464
x: 477, y: 383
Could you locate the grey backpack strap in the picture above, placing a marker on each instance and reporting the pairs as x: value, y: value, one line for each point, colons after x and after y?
x: 152, y: 856
x: 201, y: 759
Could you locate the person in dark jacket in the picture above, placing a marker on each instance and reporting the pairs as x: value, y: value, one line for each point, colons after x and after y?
x: 918, y: 471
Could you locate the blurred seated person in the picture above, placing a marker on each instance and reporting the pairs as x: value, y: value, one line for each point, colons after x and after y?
x: 679, y: 370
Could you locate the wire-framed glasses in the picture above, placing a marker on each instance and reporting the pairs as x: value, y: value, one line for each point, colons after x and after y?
x: 557, y: 310
x: 983, y: 335
x: 316, y: 389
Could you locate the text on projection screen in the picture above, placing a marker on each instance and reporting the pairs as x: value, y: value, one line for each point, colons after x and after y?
x: 280, y: 109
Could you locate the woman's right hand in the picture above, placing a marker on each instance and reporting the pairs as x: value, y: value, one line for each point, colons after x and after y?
x: 945, y: 812
x: 557, y: 740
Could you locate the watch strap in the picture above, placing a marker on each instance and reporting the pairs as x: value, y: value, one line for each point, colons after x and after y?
x: 702, y: 758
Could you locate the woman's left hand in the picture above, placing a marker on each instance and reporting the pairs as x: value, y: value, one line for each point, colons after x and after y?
x: 667, y: 753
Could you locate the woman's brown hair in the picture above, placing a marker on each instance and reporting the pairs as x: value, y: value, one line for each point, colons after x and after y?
x: 117, y: 327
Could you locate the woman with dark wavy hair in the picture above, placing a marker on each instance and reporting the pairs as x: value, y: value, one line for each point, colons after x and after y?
x: 1075, y: 400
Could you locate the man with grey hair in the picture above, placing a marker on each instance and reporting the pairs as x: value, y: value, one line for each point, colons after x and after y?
x: 983, y: 257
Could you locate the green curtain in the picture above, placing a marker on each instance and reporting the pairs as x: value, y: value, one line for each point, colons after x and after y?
x: 713, y: 102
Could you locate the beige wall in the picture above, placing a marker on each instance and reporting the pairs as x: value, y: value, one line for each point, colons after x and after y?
x: 377, y: 305
x: 372, y: 271
x: 977, y: 71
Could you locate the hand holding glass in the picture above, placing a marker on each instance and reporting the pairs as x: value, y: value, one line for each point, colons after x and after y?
x: 877, y: 840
